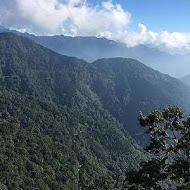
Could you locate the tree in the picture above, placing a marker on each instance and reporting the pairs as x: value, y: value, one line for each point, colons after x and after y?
x: 169, y: 152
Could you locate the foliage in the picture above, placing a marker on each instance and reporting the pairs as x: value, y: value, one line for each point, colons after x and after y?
x: 170, y: 149
x: 63, y: 123
x: 120, y: 86
x: 46, y: 146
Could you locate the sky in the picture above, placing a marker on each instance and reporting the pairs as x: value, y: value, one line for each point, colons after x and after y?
x: 160, y: 23
x: 159, y: 15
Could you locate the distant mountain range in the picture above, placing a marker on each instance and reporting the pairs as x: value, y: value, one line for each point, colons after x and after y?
x: 121, y: 86
x: 54, y: 131
x: 92, y: 48
x: 186, y: 80
x: 68, y: 124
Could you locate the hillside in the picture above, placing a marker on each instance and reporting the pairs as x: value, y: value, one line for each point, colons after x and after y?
x: 186, y: 80
x: 66, y: 123
x: 92, y: 48
x: 47, y: 146
x: 126, y: 86
x: 121, y: 86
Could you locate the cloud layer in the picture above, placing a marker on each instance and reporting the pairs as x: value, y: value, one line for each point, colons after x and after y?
x: 71, y: 16
x: 164, y: 38
x: 78, y: 17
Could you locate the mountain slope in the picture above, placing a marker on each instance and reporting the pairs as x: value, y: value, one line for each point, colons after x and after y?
x: 72, y: 143
x: 186, y: 80
x: 46, y: 146
x: 92, y: 48
x: 126, y: 86
x: 121, y: 86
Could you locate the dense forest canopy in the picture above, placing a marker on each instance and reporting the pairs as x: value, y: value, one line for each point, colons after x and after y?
x: 46, y: 146
x: 121, y: 86
x: 169, y: 166
x: 66, y: 123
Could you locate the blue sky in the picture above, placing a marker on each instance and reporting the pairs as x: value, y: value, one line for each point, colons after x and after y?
x: 170, y: 15
x: 159, y: 15
x: 154, y: 22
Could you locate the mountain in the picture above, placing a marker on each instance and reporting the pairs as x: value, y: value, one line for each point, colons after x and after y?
x: 47, y: 146
x: 66, y: 123
x: 186, y: 80
x: 71, y: 143
x: 121, y: 86
x: 126, y: 86
x: 92, y: 48
x: 3, y: 29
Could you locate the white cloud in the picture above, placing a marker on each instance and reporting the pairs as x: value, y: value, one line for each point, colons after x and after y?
x: 142, y: 28
x: 172, y: 39
x: 77, y: 17
x: 144, y: 36
x: 72, y: 16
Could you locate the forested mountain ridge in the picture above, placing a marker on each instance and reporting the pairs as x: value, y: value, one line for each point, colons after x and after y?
x: 62, y: 115
x: 134, y: 87
x: 92, y: 48
x: 186, y: 80
x: 46, y: 146
x: 121, y: 86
